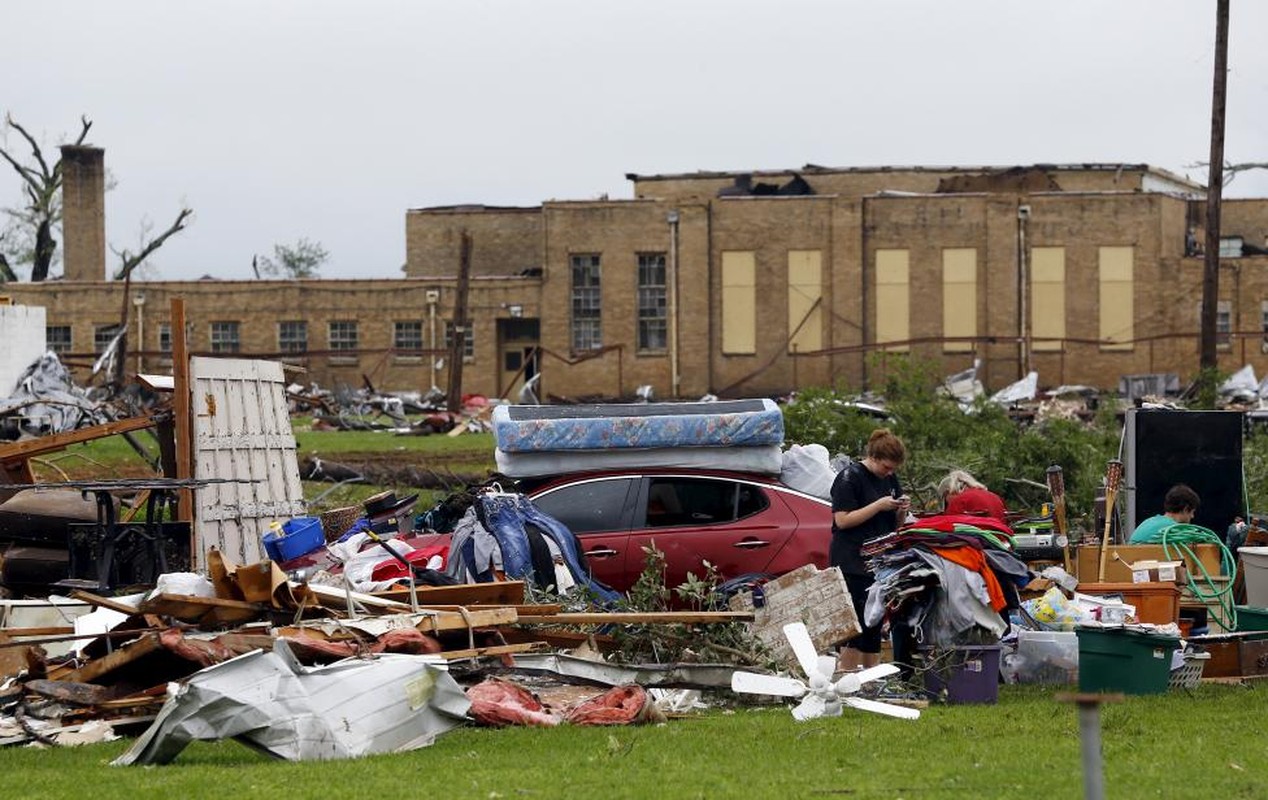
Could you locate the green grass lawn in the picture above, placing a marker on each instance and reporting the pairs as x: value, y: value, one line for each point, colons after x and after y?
x: 468, y: 454
x: 1204, y: 744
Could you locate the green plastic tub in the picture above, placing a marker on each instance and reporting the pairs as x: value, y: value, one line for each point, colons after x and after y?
x: 1252, y: 618
x: 1122, y: 660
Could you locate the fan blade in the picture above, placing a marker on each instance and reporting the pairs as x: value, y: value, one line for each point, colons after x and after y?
x: 878, y: 671
x: 753, y: 683
x: 811, y: 707
x: 889, y: 710
x: 804, y: 649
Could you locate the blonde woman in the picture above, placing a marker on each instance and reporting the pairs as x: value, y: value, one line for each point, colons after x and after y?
x: 963, y: 494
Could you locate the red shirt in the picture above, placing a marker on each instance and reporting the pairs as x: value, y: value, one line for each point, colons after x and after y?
x: 977, y: 501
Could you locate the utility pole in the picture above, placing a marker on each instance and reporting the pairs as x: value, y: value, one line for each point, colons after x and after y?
x: 1214, y: 191
x: 458, y: 342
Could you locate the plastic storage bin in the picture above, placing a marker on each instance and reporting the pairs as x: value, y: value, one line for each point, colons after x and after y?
x: 1255, y: 569
x: 963, y: 673
x: 1251, y: 618
x: 1123, y: 660
x: 1048, y: 657
x: 299, y: 536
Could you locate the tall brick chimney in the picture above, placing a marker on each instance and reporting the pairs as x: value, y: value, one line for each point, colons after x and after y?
x: 83, y: 213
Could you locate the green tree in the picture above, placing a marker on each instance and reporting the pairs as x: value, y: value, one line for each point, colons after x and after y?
x: 303, y: 260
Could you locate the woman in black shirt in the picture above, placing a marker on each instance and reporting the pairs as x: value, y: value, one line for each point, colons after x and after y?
x: 867, y: 501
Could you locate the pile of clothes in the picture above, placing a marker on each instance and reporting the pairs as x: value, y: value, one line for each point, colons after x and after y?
x: 950, y: 578
x: 505, y: 532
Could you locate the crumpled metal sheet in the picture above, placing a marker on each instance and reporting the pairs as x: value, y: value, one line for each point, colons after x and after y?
x: 269, y: 701
x: 669, y: 676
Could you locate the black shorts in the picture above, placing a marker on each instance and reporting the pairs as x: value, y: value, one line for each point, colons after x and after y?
x: 869, y: 641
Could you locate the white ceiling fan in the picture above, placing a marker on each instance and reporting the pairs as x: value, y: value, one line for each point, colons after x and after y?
x: 822, y: 697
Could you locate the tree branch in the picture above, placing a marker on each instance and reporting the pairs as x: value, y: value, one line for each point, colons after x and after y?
x: 35, y: 147
x: 131, y: 262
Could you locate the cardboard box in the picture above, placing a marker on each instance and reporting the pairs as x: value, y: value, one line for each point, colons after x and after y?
x: 1152, y: 571
x: 1117, y: 570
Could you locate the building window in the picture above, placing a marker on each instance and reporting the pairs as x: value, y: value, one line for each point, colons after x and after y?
x: 468, y: 337
x: 893, y: 300
x: 343, y: 335
x: 1047, y: 298
x: 587, y: 322
x: 407, y: 336
x: 57, y: 338
x: 1117, y: 308
x: 653, y: 329
x: 1263, y: 324
x: 165, y: 337
x: 1223, y: 324
x: 959, y: 298
x: 739, y: 302
x: 102, y: 336
x: 292, y: 336
x: 1232, y: 246
x: 225, y: 337
x: 805, y: 301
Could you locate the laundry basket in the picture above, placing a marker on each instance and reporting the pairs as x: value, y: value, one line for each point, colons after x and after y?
x: 1189, y: 674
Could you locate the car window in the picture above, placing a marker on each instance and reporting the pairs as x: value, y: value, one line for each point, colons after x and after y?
x: 699, y: 501
x: 587, y: 507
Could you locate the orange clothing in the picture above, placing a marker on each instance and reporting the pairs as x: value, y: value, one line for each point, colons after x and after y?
x: 972, y: 559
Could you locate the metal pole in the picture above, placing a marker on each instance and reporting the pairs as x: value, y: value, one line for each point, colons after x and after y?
x: 1090, y: 750
x: 672, y: 280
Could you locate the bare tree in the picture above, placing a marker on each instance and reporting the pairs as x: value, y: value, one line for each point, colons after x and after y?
x: 42, y: 189
x: 129, y: 261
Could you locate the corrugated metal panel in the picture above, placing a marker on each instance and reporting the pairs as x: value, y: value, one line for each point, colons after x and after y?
x: 242, y: 431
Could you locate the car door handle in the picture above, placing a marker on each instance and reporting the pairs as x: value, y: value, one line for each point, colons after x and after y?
x: 751, y: 544
x: 601, y: 552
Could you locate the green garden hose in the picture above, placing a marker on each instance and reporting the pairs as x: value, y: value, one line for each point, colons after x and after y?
x: 1178, y: 541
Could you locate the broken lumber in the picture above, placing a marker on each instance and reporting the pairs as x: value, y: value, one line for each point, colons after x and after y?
x: 133, y: 651
x: 640, y: 618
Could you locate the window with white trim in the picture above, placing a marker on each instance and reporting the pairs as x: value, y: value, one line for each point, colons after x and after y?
x: 653, y: 327
x: 225, y: 337
x: 587, y: 318
x: 342, y: 334
x: 57, y: 338
x: 292, y: 336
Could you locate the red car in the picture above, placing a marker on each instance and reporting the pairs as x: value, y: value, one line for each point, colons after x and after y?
x: 741, y: 523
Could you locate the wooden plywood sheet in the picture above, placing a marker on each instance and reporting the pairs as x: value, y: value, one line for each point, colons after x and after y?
x: 242, y: 432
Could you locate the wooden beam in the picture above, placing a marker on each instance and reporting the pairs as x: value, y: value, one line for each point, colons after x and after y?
x: 183, y: 425
x: 498, y: 650
x: 646, y: 618
x: 130, y: 652
x: 21, y: 451
x: 475, y: 618
x: 103, y: 602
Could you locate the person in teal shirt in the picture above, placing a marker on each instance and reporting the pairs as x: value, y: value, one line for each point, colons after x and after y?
x: 1178, y: 506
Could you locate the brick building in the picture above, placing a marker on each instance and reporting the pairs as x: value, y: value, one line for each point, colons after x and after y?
x: 747, y: 284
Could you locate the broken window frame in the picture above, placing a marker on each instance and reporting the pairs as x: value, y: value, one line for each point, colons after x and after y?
x: 103, y: 335
x: 59, y: 338
x: 468, y: 336
x: 653, y: 307
x: 586, y: 301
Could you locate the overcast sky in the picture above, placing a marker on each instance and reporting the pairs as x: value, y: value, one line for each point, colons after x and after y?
x: 328, y: 120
